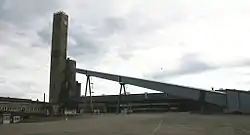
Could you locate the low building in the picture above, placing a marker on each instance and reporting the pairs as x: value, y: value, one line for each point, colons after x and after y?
x: 147, y: 102
x: 13, y: 110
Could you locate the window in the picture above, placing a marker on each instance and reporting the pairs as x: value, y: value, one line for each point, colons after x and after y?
x: 6, y: 117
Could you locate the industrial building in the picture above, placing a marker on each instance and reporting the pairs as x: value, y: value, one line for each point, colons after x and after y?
x: 65, y: 90
x: 58, y: 58
x: 227, y: 101
x: 146, y: 102
x: 13, y: 110
x: 63, y: 84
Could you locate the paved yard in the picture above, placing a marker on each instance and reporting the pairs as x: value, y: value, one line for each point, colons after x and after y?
x: 137, y: 124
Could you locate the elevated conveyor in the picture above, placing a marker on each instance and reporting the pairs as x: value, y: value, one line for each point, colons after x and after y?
x: 213, y: 97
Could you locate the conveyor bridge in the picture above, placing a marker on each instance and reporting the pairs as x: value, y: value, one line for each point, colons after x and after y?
x: 208, y: 96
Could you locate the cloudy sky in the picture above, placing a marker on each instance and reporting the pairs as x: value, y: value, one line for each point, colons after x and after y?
x: 194, y: 43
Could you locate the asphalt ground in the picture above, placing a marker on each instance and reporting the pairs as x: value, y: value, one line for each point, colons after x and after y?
x: 137, y: 124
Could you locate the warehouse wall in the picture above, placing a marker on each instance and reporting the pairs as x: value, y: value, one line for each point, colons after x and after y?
x: 238, y: 101
x: 244, y: 102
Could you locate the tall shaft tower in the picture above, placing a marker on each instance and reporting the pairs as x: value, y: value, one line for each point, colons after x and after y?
x: 57, y: 88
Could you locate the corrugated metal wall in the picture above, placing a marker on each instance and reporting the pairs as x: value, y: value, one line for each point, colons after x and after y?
x: 244, y: 102
x: 238, y: 101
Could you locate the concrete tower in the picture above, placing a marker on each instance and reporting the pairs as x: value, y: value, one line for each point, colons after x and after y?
x: 78, y: 90
x: 71, y: 78
x: 58, y: 89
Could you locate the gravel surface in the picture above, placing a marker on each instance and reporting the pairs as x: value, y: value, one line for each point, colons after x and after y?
x: 137, y: 124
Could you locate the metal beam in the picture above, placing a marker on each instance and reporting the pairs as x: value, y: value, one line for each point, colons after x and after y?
x: 214, y: 97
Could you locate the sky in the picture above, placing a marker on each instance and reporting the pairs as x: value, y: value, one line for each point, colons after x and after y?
x: 197, y: 43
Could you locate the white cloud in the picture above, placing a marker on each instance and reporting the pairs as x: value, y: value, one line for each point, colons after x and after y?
x: 136, y: 38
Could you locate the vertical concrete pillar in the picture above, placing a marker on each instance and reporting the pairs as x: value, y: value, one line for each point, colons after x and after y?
x: 71, y: 78
x: 78, y: 90
x: 44, y: 97
x: 57, y: 86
